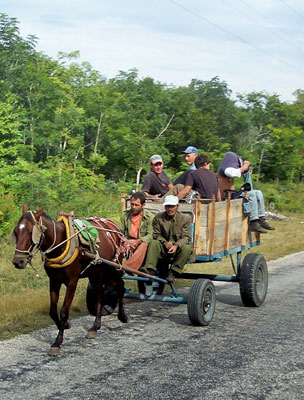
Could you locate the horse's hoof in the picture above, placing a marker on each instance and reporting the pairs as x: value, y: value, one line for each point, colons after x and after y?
x: 67, y: 325
x: 125, y: 319
x: 54, y: 351
x: 91, y: 335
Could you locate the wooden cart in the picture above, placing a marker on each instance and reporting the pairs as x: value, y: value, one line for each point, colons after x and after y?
x: 218, y: 229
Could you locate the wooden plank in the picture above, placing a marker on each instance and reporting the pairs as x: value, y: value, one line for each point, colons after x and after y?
x: 227, y: 227
x: 211, y: 224
x: 197, y: 225
x: 244, y: 230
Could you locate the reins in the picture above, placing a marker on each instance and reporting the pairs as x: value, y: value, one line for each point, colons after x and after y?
x: 37, y: 242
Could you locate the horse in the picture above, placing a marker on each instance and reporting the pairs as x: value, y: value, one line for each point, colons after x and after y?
x: 36, y: 231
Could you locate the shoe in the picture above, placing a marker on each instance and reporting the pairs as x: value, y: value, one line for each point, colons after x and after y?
x: 254, y: 226
x: 264, y: 224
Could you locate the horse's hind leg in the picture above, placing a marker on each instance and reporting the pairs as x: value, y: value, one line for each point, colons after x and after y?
x: 91, y: 334
x: 122, y: 315
x: 64, y: 316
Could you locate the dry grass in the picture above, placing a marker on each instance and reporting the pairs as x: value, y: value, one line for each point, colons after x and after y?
x: 24, y: 300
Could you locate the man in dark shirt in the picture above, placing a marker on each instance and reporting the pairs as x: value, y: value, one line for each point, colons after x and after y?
x: 202, y: 180
x: 157, y: 183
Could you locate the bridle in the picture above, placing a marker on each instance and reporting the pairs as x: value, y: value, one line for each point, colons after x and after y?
x: 37, y: 240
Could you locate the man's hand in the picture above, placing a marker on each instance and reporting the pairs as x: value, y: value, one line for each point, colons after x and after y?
x: 133, y: 243
x: 168, y: 245
x: 173, y: 249
x: 245, y: 167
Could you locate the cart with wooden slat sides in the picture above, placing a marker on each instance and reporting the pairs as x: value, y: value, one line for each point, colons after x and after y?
x: 219, y: 229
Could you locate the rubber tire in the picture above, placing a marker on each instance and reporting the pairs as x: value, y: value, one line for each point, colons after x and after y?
x: 253, y: 280
x: 201, y: 302
x: 109, y: 302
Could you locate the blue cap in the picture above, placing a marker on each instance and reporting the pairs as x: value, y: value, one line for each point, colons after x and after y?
x: 190, y: 149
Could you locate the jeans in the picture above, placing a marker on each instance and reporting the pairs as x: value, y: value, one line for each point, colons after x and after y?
x: 257, y: 206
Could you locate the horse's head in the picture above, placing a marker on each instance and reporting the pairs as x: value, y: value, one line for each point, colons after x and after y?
x: 27, y: 235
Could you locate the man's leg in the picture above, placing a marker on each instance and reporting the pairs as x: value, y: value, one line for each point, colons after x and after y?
x: 155, y: 252
x: 175, y: 190
x: 137, y: 258
x: 254, y: 224
x: 261, y: 211
x: 182, y: 258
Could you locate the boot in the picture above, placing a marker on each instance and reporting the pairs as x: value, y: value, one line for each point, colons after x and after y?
x: 254, y: 226
x: 264, y: 224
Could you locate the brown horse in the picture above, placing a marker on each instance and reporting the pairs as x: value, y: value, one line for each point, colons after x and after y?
x: 35, y: 231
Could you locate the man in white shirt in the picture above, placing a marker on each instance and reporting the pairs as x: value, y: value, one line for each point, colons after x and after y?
x: 233, y: 166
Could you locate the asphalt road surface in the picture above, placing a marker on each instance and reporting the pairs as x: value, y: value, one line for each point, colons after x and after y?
x: 245, y: 353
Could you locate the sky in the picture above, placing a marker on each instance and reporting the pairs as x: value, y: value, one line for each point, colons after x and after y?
x: 252, y: 46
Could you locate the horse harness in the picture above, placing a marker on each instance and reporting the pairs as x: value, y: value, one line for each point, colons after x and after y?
x: 72, y: 243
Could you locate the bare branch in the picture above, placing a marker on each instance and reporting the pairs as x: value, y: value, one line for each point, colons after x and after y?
x: 165, y: 128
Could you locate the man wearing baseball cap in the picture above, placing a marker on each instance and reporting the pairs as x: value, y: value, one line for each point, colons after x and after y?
x: 171, y: 243
x: 190, y: 155
x: 157, y: 183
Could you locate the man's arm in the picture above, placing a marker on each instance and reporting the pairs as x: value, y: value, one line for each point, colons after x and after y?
x: 184, y: 192
x: 148, y: 236
x: 186, y: 231
x: 157, y: 231
x: 237, y: 172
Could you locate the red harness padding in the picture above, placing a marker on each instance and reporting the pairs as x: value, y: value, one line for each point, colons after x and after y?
x: 113, y: 232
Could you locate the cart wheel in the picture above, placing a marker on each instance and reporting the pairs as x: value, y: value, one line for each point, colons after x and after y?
x: 109, y: 301
x: 253, y: 280
x: 201, y: 302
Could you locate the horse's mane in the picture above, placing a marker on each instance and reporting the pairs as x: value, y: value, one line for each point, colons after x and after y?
x: 28, y: 216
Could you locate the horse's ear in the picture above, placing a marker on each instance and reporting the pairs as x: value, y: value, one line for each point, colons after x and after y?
x: 39, y: 213
x: 24, y: 209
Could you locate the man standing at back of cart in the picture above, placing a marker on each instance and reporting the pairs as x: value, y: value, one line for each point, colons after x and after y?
x: 136, y: 225
x: 233, y: 166
x: 172, y: 238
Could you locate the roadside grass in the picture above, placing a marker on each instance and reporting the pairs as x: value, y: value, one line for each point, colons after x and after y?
x: 24, y: 295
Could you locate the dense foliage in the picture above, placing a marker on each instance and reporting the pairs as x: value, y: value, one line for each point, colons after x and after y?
x: 70, y: 138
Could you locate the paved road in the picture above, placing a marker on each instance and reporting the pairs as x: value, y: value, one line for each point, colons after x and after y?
x: 245, y: 353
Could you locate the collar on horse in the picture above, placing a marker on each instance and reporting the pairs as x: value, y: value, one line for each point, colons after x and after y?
x: 70, y: 252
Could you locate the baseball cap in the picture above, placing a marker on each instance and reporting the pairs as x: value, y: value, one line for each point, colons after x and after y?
x: 171, y: 201
x: 190, y: 149
x: 156, y: 158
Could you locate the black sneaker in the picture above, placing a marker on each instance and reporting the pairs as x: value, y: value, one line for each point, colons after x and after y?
x: 254, y: 226
x: 264, y: 224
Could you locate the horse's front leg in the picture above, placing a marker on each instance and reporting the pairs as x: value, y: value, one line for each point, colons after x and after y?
x: 64, y: 317
x: 122, y: 315
x: 99, y: 290
x: 54, y: 297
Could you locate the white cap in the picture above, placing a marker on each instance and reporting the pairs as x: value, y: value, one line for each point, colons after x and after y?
x: 171, y: 201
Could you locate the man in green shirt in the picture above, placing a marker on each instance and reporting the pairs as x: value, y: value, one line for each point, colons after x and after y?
x: 171, y: 240
x: 136, y: 225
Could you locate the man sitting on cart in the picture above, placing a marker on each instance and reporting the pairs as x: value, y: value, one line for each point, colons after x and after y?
x: 202, y: 180
x: 136, y: 225
x: 157, y: 183
x: 171, y: 243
